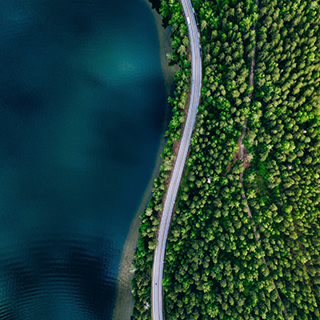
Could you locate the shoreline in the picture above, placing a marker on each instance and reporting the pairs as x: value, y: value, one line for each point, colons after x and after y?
x: 124, y: 301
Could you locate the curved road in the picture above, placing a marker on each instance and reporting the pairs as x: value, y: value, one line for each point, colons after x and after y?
x: 159, y: 256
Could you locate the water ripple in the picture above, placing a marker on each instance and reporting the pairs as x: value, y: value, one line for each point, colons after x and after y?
x: 82, y: 103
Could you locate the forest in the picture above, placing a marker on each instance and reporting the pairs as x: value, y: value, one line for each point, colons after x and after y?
x: 242, y: 248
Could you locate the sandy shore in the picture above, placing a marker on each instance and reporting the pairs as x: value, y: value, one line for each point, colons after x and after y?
x: 124, y: 302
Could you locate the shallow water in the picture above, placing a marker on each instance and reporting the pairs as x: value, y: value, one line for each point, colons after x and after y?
x: 82, y: 107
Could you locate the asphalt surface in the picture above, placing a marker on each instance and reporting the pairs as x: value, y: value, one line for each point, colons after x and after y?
x: 196, y: 80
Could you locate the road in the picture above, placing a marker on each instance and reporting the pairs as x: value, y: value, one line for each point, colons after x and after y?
x: 196, y: 80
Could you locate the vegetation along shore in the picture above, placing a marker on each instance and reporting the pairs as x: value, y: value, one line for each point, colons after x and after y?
x: 124, y: 302
x: 245, y: 237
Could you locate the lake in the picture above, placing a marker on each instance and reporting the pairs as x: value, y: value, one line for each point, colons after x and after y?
x: 82, y: 112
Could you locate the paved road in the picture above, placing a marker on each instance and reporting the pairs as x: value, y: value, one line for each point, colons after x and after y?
x: 159, y: 257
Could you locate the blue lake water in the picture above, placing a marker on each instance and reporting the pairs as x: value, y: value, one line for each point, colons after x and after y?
x: 82, y: 108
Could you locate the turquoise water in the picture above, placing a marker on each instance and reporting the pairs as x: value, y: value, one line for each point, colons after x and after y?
x: 82, y: 108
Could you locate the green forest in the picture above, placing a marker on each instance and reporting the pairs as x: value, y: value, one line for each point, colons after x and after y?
x: 245, y: 237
